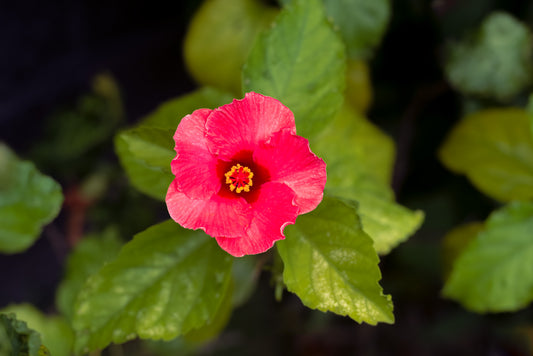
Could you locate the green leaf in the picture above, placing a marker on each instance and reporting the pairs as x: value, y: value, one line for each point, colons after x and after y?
x: 28, y: 201
x: 494, y: 272
x: 331, y: 265
x: 301, y: 62
x: 360, y: 160
x: 55, y: 332
x: 495, y: 61
x: 494, y: 149
x: 86, y: 259
x: 16, y: 338
x: 146, y: 150
x: 164, y: 283
x: 362, y: 23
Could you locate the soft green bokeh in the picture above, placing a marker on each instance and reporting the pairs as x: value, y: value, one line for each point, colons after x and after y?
x: 495, y: 61
x: 86, y: 259
x: 494, y: 149
x: 360, y: 159
x: 329, y: 262
x: 28, y: 201
x: 164, y: 283
x: 219, y: 38
x: 494, y: 273
x: 362, y: 23
x: 145, y: 151
x: 16, y: 338
x: 301, y: 62
x: 72, y: 133
x: 55, y: 332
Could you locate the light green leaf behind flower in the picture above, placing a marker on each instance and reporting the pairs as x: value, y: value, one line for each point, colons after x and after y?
x: 301, y: 62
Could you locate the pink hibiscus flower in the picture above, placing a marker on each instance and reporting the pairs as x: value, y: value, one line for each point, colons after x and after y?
x: 242, y: 174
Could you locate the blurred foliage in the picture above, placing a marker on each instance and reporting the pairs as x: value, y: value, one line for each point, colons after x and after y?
x: 493, y: 273
x: 28, y: 201
x: 494, y: 148
x: 495, y: 61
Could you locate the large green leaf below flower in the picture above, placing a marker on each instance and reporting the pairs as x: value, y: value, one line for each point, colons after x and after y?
x: 164, y: 283
x: 493, y: 273
x: 494, y: 149
x: 360, y: 158
x: 301, y: 62
x: 145, y: 151
x: 28, y: 201
x: 330, y: 263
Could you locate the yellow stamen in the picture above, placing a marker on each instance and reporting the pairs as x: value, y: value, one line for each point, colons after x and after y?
x: 239, y: 178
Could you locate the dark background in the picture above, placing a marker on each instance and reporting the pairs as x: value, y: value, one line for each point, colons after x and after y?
x: 49, y: 51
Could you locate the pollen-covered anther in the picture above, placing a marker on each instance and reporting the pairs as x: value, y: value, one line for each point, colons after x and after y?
x: 239, y: 178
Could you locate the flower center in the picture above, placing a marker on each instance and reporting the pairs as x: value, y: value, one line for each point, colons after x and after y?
x: 239, y: 178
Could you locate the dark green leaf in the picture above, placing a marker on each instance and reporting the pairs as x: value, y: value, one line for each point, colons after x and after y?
x: 146, y: 150
x: 331, y: 265
x: 494, y: 149
x: 28, y: 201
x: 16, y: 338
x: 301, y: 62
x: 55, y: 332
x: 494, y: 62
x: 494, y: 272
x: 164, y: 283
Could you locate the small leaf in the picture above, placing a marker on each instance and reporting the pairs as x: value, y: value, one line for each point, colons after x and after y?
x: 55, y: 332
x: 362, y: 23
x: 494, y: 272
x: 301, y: 62
x: 87, y: 258
x: 146, y: 150
x: 164, y: 283
x: 16, y: 338
x: 494, y: 149
x: 331, y: 265
x: 494, y: 62
x: 360, y: 160
x: 28, y: 201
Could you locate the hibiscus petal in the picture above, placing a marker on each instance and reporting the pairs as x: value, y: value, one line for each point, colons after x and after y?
x: 194, y: 165
x: 243, y: 124
x: 272, y: 211
x: 217, y: 216
x: 290, y: 161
